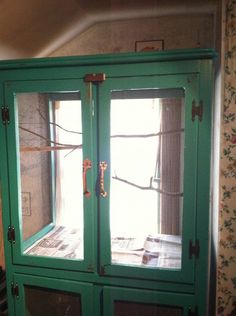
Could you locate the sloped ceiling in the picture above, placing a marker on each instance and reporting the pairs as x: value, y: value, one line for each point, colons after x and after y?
x: 34, y: 28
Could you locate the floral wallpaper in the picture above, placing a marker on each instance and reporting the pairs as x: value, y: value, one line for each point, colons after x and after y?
x: 226, y: 278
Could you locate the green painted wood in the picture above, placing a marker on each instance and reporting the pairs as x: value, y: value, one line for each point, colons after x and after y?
x: 106, y: 59
x: 190, y: 85
x: 122, y: 70
x: 31, y: 240
x: 83, y: 290
x: 19, y: 246
x: 204, y: 206
x: 52, y: 163
x: 112, y: 295
x: 6, y: 206
x: 191, y: 69
x: 96, y: 278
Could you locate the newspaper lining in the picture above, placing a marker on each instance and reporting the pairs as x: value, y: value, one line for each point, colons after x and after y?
x: 160, y: 251
x: 60, y: 242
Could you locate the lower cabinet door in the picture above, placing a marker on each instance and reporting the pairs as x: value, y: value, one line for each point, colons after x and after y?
x: 40, y: 296
x: 127, y: 302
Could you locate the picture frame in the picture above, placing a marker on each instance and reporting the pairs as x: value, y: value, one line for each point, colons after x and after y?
x: 149, y: 45
x: 26, y: 203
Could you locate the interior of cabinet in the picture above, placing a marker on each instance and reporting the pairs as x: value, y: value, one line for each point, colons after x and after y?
x: 146, y: 190
x: 123, y: 308
x: 34, y: 166
x: 50, y: 142
x: 41, y: 302
x: 146, y: 153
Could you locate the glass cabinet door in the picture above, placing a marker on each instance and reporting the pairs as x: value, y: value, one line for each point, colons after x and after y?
x: 40, y: 301
x: 125, y: 302
x: 147, y: 157
x: 43, y: 296
x: 51, y: 164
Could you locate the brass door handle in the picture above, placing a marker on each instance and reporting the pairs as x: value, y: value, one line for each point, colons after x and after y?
x: 87, y: 164
x: 103, y: 167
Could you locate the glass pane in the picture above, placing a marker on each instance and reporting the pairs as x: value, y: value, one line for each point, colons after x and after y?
x: 51, y: 168
x: 42, y: 302
x: 123, y: 308
x: 146, y: 191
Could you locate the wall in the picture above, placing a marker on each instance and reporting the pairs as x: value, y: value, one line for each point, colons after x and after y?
x: 120, y: 36
x: 226, y: 281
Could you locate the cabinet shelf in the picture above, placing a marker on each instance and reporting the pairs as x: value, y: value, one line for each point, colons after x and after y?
x: 161, y: 251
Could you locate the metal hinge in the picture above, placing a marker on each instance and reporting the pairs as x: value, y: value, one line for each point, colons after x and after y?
x: 15, y: 289
x: 11, y: 236
x: 194, y: 249
x: 193, y: 312
x: 102, y: 270
x: 95, y: 78
x: 90, y: 267
x: 197, y: 110
x: 5, y: 115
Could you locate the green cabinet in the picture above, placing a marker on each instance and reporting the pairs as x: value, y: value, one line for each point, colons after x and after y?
x: 150, y: 144
x: 44, y: 296
x: 45, y: 203
x: 126, y: 302
x: 105, y: 176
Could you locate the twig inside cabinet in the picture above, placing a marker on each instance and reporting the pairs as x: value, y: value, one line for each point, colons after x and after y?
x: 49, y: 148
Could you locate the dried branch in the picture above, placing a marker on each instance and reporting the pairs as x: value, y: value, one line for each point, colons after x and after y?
x: 47, y: 139
x: 73, y: 149
x: 148, y: 187
x: 55, y: 124
x: 149, y: 135
x: 49, y: 148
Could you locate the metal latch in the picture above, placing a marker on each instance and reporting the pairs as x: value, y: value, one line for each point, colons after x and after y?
x: 194, y: 249
x: 11, y: 236
x: 15, y: 289
x: 5, y: 115
x: 102, y: 270
x: 197, y: 110
x: 95, y: 78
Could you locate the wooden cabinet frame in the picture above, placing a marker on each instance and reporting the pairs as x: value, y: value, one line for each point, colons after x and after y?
x: 95, y: 77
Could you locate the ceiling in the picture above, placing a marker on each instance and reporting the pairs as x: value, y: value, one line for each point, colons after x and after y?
x: 35, y: 28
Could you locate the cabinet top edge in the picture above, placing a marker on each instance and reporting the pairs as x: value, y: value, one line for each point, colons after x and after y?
x: 108, y: 59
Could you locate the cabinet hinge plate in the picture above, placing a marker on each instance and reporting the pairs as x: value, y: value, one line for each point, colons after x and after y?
x: 197, y: 110
x: 11, y: 236
x: 194, y: 249
x: 5, y: 115
x: 15, y: 289
x: 95, y: 78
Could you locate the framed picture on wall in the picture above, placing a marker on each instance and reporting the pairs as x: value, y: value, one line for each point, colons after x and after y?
x: 152, y: 45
